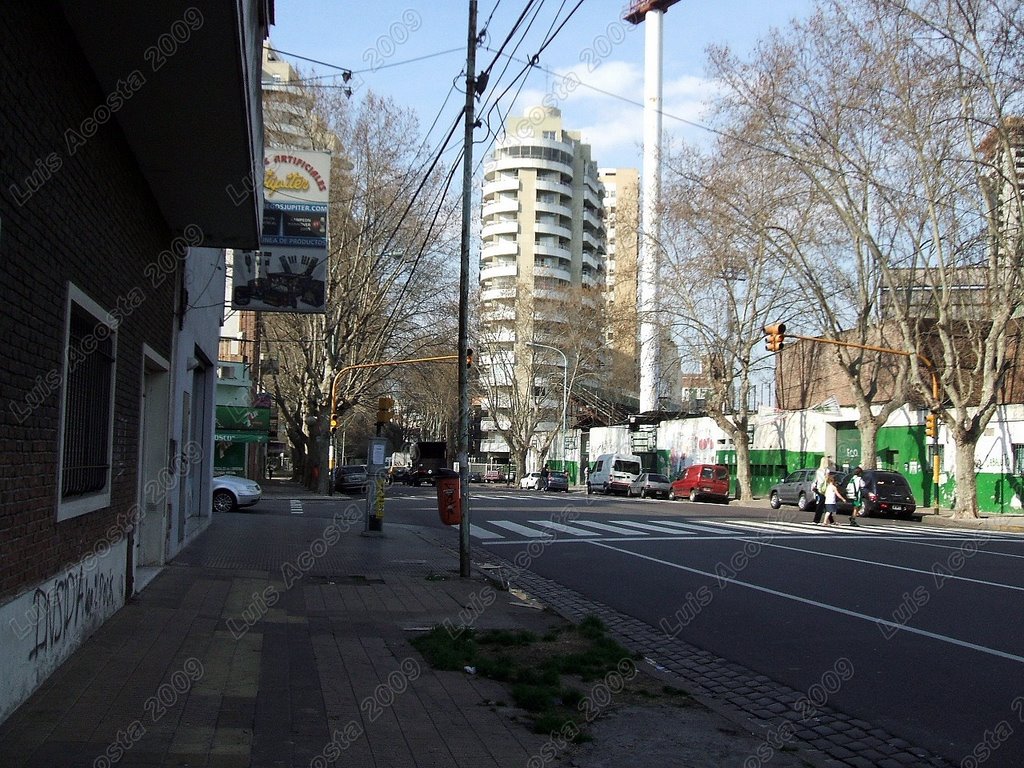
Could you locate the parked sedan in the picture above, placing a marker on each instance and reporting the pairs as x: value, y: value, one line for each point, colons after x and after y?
x: 557, y: 481
x: 231, y: 492
x: 650, y: 484
x: 530, y: 481
x: 796, y: 488
x: 350, y: 478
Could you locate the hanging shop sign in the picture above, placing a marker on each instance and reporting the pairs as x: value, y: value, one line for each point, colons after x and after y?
x: 289, y: 272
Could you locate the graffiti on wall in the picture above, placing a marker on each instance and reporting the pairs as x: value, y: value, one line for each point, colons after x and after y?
x: 72, y: 602
x: 691, y: 449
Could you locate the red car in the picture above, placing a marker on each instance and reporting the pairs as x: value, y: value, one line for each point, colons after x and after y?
x: 702, y: 481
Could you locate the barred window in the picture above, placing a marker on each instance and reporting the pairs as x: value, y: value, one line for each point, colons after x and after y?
x: 87, y: 408
x: 1018, y: 459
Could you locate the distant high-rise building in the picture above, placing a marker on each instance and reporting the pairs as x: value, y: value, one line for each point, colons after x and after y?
x: 542, y: 263
x: 622, y: 220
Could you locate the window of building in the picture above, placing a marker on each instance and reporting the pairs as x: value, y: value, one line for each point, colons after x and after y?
x: 549, y: 135
x: 87, y: 407
x: 1018, y: 459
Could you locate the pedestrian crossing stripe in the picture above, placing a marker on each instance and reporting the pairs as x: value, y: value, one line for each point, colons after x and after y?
x: 706, y: 529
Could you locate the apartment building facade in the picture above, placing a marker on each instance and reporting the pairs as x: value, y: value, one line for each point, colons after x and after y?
x: 542, y: 264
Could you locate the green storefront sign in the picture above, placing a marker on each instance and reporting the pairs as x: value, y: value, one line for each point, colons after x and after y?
x: 245, y: 418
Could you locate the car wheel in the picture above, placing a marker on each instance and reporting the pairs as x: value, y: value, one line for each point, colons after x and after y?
x: 223, y: 501
x: 606, y: 489
x: 801, y: 503
x: 589, y: 489
x: 773, y: 500
x: 643, y: 494
x: 672, y: 495
x: 693, y: 494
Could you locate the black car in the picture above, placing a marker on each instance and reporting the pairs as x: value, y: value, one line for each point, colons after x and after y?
x: 886, y: 493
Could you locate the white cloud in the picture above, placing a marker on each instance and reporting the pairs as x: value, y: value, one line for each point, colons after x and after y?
x: 606, y: 107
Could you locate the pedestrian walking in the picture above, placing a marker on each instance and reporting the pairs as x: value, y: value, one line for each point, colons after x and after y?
x: 831, y: 495
x: 854, y: 488
x: 820, y: 480
x: 544, y: 477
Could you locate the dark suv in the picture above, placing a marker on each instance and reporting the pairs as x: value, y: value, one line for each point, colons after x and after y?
x: 887, y: 493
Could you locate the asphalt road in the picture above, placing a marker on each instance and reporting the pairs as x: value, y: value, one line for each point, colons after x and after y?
x: 911, y: 627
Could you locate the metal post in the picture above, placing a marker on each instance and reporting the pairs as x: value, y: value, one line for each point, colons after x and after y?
x: 467, y: 215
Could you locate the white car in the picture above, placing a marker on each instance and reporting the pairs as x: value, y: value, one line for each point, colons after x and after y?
x: 530, y: 481
x: 231, y: 492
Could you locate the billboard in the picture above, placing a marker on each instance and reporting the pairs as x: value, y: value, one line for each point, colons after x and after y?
x: 289, y: 272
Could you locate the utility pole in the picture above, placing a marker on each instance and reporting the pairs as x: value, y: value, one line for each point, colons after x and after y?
x: 467, y: 212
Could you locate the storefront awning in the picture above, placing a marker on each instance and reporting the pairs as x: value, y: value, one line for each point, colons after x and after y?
x: 240, y: 436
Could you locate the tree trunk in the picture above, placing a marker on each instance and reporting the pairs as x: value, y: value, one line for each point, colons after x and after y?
x: 868, y: 427
x: 521, y: 463
x: 743, y: 464
x: 966, y: 479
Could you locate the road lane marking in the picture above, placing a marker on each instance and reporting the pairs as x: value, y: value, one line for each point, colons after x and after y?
x: 296, y: 506
x: 522, y: 530
x: 606, y: 527
x: 562, y: 528
x: 862, y: 561
x: 877, y: 621
x: 483, y: 533
x: 647, y: 526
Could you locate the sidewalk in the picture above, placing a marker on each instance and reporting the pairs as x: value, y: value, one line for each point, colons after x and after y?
x: 282, y: 641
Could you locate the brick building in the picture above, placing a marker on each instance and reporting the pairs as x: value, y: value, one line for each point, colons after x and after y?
x: 122, y: 183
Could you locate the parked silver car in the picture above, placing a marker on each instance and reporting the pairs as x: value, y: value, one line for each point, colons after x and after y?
x: 231, y: 492
x: 650, y: 484
x: 350, y: 478
x: 796, y: 488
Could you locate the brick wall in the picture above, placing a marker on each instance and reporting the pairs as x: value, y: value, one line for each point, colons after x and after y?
x: 87, y: 217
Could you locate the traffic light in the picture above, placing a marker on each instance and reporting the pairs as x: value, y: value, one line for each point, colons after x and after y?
x: 385, y: 412
x: 469, y: 358
x: 334, y: 424
x: 774, y: 337
x: 930, y: 425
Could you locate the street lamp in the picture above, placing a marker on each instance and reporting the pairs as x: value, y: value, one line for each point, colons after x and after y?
x: 565, y: 381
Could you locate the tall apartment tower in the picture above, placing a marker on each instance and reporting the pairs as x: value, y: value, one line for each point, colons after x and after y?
x: 622, y: 222
x: 542, y: 261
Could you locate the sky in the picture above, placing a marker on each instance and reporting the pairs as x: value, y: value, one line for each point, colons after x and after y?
x: 415, y: 52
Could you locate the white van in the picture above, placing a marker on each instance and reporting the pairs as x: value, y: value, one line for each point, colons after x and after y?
x: 613, y: 473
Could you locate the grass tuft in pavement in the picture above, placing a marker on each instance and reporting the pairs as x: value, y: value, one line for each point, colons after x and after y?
x: 535, y: 667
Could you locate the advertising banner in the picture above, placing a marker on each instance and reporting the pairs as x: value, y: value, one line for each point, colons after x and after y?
x: 289, y: 272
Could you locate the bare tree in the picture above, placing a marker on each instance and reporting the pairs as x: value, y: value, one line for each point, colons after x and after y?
x: 390, y: 241
x: 899, y: 113
x: 732, y: 276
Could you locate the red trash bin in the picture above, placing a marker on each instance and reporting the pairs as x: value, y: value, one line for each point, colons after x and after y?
x: 449, y: 497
